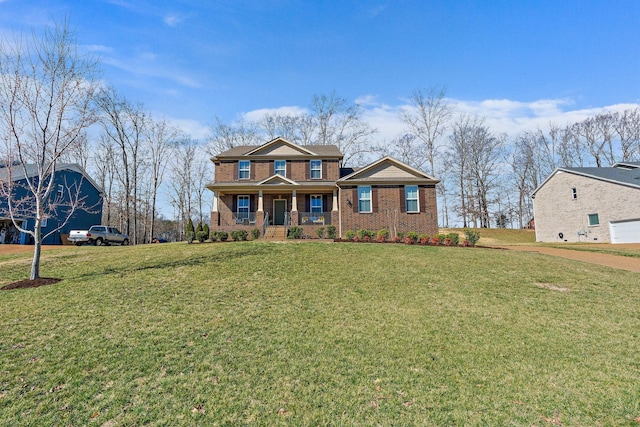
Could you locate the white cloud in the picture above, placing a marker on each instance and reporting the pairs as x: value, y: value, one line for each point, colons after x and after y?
x: 257, y: 115
x: 173, y: 19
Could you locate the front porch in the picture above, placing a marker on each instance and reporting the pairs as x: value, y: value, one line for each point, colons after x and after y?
x: 309, y: 210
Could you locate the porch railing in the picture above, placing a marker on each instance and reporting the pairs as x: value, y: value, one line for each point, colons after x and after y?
x: 314, y: 218
x: 244, y: 218
x: 265, y: 224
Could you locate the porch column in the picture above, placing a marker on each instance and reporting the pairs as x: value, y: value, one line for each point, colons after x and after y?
x: 260, y: 207
x: 335, y: 201
x: 215, y: 202
x: 294, y: 202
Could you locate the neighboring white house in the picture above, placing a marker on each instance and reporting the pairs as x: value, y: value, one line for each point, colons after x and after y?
x: 589, y: 205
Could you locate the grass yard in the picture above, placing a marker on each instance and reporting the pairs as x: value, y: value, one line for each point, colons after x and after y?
x: 317, y: 334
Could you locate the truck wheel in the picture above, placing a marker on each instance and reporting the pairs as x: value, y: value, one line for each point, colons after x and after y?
x: 98, y: 241
x: 125, y: 242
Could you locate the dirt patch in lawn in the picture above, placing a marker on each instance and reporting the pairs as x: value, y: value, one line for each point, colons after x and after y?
x: 16, y: 249
x: 614, y: 261
x: 23, y: 284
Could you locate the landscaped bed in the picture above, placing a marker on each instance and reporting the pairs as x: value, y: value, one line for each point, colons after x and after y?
x: 317, y: 334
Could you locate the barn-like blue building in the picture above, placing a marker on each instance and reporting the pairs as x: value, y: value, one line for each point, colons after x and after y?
x: 68, y: 179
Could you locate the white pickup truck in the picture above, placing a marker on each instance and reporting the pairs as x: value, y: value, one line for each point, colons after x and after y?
x: 98, y: 235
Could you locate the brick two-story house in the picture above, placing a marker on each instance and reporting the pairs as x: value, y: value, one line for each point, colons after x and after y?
x: 280, y: 184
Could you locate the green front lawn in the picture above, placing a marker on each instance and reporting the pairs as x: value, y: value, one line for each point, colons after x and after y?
x: 318, y: 334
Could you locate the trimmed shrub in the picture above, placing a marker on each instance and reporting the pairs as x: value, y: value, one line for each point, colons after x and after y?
x: 435, y: 240
x: 223, y: 236
x: 366, y: 238
x: 413, y: 235
x: 190, y: 231
x: 350, y: 235
x: 255, y: 233
x: 362, y: 233
x: 397, y: 239
x: 331, y: 231
x: 320, y: 232
x: 424, y: 240
x: 213, y: 236
x: 408, y: 240
x: 465, y: 244
x: 382, y: 235
x: 206, y: 229
x: 448, y: 242
x: 202, y: 236
x: 295, y: 232
x: 401, y: 235
x: 472, y: 236
x: 455, y: 238
x: 238, y: 235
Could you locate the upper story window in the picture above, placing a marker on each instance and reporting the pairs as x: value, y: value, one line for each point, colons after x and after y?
x: 411, y: 198
x: 60, y: 190
x: 316, y: 203
x: 244, y: 167
x: 280, y: 167
x: 316, y: 169
x: 364, y: 198
x: 574, y: 193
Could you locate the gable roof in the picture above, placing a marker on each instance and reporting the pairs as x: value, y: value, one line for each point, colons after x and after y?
x: 276, y: 143
x: 388, y: 170
x: 18, y: 172
x: 627, y: 174
x: 277, y: 180
x: 280, y: 148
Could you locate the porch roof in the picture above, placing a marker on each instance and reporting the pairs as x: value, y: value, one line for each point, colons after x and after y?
x: 267, y: 188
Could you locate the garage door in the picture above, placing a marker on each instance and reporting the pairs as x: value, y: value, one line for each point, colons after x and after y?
x: 627, y: 231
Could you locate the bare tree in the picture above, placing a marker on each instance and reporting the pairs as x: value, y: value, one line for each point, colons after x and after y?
x: 226, y: 136
x: 627, y: 127
x: 160, y: 140
x: 339, y: 123
x: 183, y: 184
x: 427, y: 119
x: 46, y: 90
x: 124, y: 124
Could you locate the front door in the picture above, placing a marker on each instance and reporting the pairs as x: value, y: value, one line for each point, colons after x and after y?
x: 279, y: 209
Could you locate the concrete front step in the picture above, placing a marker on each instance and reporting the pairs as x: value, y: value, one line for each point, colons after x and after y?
x: 275, y: 232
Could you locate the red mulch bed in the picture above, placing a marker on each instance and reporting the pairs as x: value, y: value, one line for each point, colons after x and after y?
x: 22, y: 284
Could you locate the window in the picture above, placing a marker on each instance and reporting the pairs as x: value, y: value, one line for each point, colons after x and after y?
x: 244, y: 167
x: 280, y: 167
x: 243, y: 207
x: 411, y: 198
x: 594, y: 220
x: 364, y: 198
x: 60, y: 190
x: 316, y: 169
x: 316, y: 203
x: 43, y: 223
x: 574, y: 193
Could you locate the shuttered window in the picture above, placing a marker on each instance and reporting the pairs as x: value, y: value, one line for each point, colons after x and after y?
x: 411, y: 198
x: 364, y: 198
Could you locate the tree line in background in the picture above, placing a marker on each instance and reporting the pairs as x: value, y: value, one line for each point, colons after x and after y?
x: 137, y: 159
x: 487, y: 178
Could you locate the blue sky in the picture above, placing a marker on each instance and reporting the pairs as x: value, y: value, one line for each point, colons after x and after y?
x: 518, y: 63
